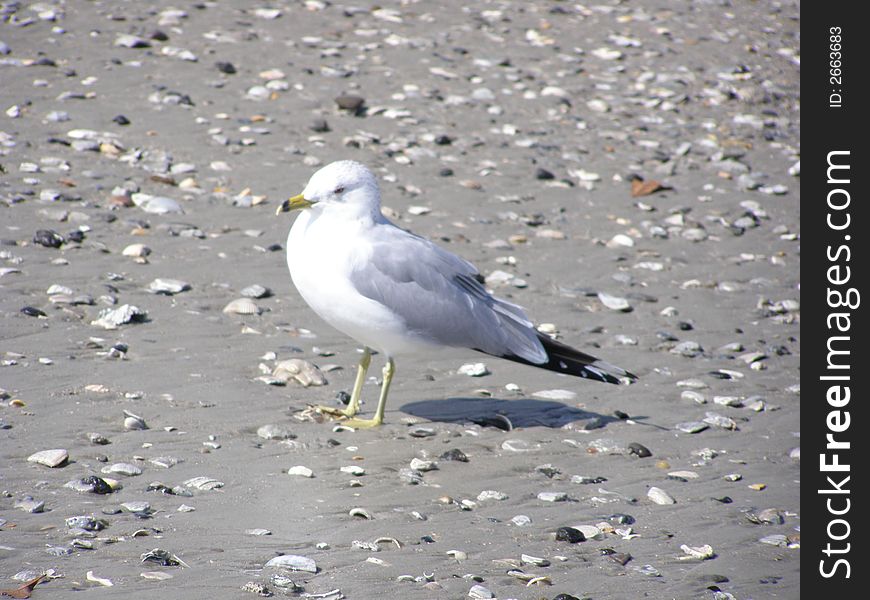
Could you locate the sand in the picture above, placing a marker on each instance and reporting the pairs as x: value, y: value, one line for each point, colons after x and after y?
x: 722, y: 80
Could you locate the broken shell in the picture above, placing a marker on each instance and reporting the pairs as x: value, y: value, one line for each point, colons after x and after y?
x: 293, y: 562
x: 360, y: 512
x: 301, y: 371
x: 659, y: 496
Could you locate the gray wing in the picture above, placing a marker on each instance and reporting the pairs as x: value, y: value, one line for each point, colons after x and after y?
x: 440, y: 298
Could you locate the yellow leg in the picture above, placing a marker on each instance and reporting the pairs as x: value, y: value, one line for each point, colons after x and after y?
x: 353, y: 405
x: 389, y: 371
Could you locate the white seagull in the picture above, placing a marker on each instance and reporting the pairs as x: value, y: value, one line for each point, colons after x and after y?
x: 400, y: 294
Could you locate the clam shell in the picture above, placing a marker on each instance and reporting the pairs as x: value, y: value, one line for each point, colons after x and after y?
x: 242, y: 306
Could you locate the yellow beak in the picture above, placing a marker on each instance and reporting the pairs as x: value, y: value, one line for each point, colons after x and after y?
x: 293, y: 203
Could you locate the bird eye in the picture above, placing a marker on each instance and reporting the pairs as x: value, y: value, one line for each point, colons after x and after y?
x: 339, y: 189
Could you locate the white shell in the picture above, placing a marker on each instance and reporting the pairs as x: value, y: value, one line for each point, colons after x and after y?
x: 242, y: 306
x: 294, y: 563
x: 659, y: 496
x: 49, y: 458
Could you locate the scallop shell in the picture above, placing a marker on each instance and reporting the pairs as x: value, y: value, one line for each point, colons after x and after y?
x: 242, y: 306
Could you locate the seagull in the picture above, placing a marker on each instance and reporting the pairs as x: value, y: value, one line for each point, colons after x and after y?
x: 401, y: 294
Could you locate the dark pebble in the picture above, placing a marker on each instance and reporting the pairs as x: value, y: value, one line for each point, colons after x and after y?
x: 443, y: 140
x: 446, y: 172
x: 719, y: 375
x: 320, y: 126
x: 32, y: 311
x: 639, y: 450
x: 427, y: 539
x: 666, y: 336
x: 565, y: 597
x: 227, y: 68
x: 724, y: 500
x: 350, y: 102
x: 343, y: 397
x: 159, y: 36
x: 48, y: 238
x: 98, y: 484
x: 685, y: 326
x: 621, y: 519
x: 454, y: 454
x: 543, y: 174
x: 121, y: 120
x: 621, y: 415
x: 76, y: 236
x: 620, y: 558
x: 570, y: 535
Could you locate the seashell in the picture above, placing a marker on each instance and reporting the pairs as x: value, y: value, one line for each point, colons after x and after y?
x: 158, y: 205
x: 112, y: 318
x: 424, y: 465
x: 258, y: 532
x: 126, y: 469
x: 553, y: 496
x: 491, y: 495
x: 204, y: 483
x: 534, y: 560
x: 360, y: 512
x: 137, y: 506
x: 136, y: 251
x: 101, y: 580
x: 49, y: 458
x: 614, y: 302
x: 458, y: 555
x: 354, y: 470
x: 699, y: 552
x: 301, y: 371
x: 163, y: 557
x: 293, y: 562
x: 301, y: 471
x: 168, y: 286
x: 388, y: 540
x: 242, y: 306
x: 134, y: 422
x: 659, y: 496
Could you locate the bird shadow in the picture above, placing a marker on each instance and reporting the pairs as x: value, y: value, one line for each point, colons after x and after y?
x: 524, y: 412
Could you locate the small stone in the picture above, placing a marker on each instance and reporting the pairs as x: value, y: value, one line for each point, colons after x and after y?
x: 570, y: 535
x: 350, y: 102
x: 48, y: 238
x: 29, y: 504
x: 639, y: 450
